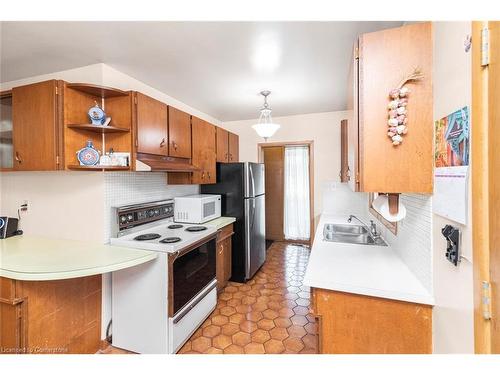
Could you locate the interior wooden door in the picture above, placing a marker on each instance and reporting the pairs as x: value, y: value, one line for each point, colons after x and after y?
x: 179, y: 133
x: 234, y: 148
x: 486, y: 187
x: 152, y: 126
x: 35, y: 126
x: 222, y: 145
x: 274, y: 161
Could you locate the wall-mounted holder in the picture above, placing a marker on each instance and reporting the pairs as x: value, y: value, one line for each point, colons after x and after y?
x: 390, y: 207
x: 452, y: 236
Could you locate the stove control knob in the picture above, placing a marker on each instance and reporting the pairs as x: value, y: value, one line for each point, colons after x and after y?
x: 157, y: 212
x: 123, y: 218
x: 151, y: 213
x: 130, y: 217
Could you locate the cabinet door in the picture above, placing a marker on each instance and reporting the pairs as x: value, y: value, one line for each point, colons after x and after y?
x: 152, y: 125
x: 204, y: 155
x: 222, y: 145
x: 227, y: 259
x: 35, y: 126
x: 382, y: 166
x: 219, y: 265
x: 234, y: 148
x: 179, y: 132
x: 352, y: 123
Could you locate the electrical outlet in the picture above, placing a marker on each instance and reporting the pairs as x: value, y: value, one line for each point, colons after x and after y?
x: 24, y: 207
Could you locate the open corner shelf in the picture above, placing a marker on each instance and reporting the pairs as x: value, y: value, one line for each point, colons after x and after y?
x: 98, y: 128
x: 96, y: 90
x: 97, y: 168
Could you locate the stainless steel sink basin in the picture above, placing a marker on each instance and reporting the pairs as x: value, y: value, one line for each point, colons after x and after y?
x: 345, y: 229
x: 355, y: 234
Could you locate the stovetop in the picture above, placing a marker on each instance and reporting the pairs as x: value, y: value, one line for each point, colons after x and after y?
x: 154, y: 237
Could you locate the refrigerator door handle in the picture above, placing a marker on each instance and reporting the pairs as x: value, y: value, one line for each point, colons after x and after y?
x: 253, y: 182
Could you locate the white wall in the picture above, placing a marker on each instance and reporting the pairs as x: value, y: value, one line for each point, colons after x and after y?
x: 453, y: 318
x: 322, y: 128
x: 77, y: 205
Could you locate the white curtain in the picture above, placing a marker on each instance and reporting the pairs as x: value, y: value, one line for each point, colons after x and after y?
x: 297, y: 214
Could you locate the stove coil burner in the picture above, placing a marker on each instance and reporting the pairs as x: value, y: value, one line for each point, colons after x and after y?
x: 175, y: 226
x: 170, y: 240
x: 196, y: 228
x: 147, y: 237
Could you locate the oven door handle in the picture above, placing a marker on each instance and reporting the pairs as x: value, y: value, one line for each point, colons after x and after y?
x: 181, y: 314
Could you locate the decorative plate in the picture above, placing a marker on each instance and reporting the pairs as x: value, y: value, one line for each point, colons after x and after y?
x: 97, y: 115
x: 88, y: 155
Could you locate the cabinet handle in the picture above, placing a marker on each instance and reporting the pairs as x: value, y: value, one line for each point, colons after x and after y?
x: 347, y: 174
x: 230, y: 156
x: 208, y: 175
x: 162, y: 143
x: 18, y: 158
x: 175, y: 145
x: 202, y: 175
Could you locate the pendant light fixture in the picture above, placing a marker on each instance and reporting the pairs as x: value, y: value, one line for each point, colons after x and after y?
x: 265, y: 127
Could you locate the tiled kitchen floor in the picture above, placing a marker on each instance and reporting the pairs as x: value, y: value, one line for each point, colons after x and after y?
x: 267, y: 315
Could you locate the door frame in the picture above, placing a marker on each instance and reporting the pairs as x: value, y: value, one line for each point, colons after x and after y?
x: 485, y: 193
x: 310, y: 145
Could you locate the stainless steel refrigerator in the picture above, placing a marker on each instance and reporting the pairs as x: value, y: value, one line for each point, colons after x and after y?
x: 241, y: 186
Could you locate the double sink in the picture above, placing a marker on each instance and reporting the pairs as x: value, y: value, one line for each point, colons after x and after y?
x: 355, y: 234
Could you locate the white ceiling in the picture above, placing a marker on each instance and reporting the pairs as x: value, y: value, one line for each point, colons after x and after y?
x: 216, y: 67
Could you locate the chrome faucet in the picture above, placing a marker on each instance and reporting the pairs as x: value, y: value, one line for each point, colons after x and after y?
x: 372, y: 228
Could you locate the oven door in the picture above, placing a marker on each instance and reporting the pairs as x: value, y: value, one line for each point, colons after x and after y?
x: 190, y: 271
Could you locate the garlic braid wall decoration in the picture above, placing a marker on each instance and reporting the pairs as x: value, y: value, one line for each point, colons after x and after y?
x: 398, y: 121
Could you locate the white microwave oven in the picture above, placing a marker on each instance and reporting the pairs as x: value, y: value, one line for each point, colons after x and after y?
x: 197, y: 209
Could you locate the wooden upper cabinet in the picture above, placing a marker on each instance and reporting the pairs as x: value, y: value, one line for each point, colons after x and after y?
x: 234, y: 148
x: 35, y: 126
x: 382, y: 167
x: 222, y: 145
x: 152, y: 126
x: 204, y: 151
x: 179, y: 133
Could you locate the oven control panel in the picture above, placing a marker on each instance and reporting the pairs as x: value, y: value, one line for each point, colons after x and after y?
x: 131, y: 216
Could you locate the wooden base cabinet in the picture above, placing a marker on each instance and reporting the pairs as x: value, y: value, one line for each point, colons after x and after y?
x: 50, y: 317
x: 224, y: 259
x: 356, y: 324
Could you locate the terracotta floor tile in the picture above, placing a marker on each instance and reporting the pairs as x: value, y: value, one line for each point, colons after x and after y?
x: 230, y: 329
x: 274, y: 346
x: 266, y: 324
x: 241, y: 338
x: 254, y: 348
x: 211, y: 331
x: 268, y: 314
x: 260, y: 336
x: 221, y: 341
x: 234, y: 349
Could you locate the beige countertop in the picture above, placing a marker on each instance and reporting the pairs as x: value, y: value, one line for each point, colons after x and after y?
x: 221, y: 222
x: 39, y: 258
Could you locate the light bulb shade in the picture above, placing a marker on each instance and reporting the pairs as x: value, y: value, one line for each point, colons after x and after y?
x: 266, y: 130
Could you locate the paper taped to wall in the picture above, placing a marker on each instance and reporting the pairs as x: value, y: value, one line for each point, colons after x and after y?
x: 450, y: 193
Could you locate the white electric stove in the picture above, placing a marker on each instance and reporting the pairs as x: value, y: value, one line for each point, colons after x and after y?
x: 158, y: 305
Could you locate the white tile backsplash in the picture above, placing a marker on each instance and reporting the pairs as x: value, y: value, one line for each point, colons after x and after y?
x: 122, y: 188
x: 413, y: 241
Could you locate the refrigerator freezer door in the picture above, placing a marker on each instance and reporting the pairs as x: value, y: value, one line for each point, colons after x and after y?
x: 254, y: 179
x: 255, y: 234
